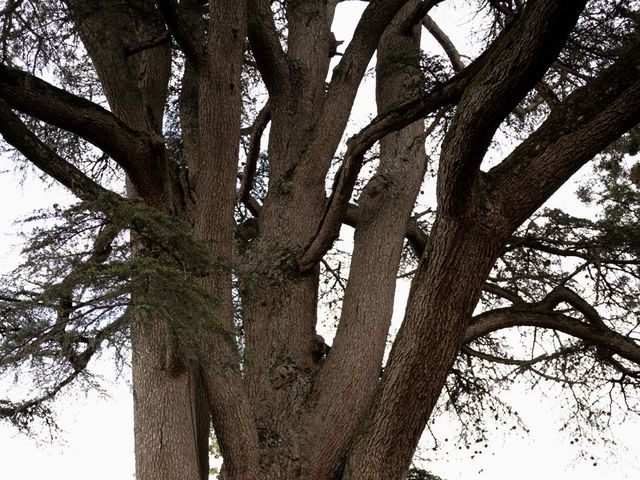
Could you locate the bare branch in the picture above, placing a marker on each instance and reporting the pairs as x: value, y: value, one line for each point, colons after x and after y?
x: 499, y: 319
x: 445, y: 42
x: 522, y: 363
x: 503, y: 293
x: 344, y: 84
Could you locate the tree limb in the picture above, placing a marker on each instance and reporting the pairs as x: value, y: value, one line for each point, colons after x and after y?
x: 29, y: 94
x: 385, y: 123
x: 248, y: 176
x: 266, y: 48
x: 521, y: 363
x: 499, y: 319
x: 180, y: 29
x: 520, y: 56
x: 342, y: 89
x: 582, y: 125
x: 16, y: 133
x: 445, y: 42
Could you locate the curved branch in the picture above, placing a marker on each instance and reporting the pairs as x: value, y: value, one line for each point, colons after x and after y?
x: 499, y: 319
x: 385, y: 123
x: 522, y: 363
x: 342, y: 89
x: 16, y: 133
x: 445, y: 42
x: 31, y: 95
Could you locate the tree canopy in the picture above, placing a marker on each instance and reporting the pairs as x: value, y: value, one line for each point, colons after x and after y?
x: 205, y: 143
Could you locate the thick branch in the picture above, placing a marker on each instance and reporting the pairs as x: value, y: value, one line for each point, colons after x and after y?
x: 16, y: 133
x: 33, y: 96
x: 416, y: 237
x: 519, y: 58
x: 343, y: 87
x: 566, y: 295
x: 266, y: 48
x: 577, y: 129
x: 445, y: 94
x: 181, y: 30
x: 494, y: 320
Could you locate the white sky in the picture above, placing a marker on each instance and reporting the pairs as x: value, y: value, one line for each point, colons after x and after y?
x: 97, y: 436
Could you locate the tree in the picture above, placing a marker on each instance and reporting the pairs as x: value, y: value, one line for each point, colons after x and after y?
x: 210, y: 268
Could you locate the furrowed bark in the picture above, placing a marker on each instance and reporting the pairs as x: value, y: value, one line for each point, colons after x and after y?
x: 342, y: 89
x: 166, y: 446
x: 347, y: 381
x: 462, y: 250
x: 135, y: 85
x: 443, y: 294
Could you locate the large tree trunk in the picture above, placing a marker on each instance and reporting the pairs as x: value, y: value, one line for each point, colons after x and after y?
x: 171, y: 419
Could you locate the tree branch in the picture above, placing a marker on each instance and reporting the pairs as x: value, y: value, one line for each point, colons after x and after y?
x: 582, y: 125
x: 385, y: 123
x: 499, y: 319
x: 180, y: 29
x: 266, y: 48
x: 342, y: 89
x: 248, y: 176
x: 16, y: 133
x: 521, y: 363
x: 445, y: 42
x: 22, y: 91
x: 519, y: 58
x: 30, y: 408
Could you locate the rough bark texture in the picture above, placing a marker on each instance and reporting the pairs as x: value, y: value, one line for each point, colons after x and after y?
x: 280, y: 406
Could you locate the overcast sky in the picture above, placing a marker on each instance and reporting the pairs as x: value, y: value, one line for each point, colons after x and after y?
x: 97, y: 433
